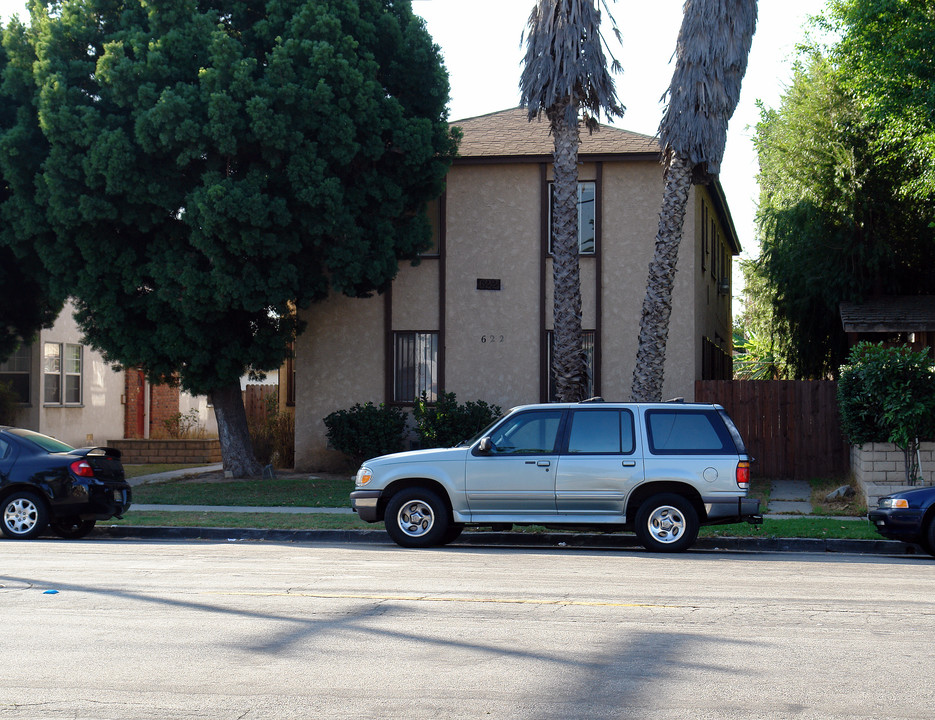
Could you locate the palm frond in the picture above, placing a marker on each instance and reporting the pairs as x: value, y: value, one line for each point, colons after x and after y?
x: 565, y: 65
x: 710, y: 62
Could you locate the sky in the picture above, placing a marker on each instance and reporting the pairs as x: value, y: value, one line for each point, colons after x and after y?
x: 480, y: 43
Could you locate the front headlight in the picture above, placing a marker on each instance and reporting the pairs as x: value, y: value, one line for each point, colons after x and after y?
x: 894, y: 502
x: 364, y: 476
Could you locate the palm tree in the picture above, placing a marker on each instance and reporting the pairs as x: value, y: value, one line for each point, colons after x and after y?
x: 564, y: 73
x: 711, y: 59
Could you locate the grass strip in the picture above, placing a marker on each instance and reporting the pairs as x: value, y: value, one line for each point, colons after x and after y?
x: 273, y: 492
x: 804, y: 527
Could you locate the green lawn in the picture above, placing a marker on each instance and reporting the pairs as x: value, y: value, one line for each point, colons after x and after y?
x: 315, y: 491
x: 132, y: 471
x: 275, y: 492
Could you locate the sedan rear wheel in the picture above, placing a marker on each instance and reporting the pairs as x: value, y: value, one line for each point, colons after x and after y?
x: 24, y: 516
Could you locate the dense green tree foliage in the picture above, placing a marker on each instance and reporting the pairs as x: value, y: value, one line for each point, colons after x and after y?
x: 834, y: 221
x: 28, y: 299
x: 210, y: 163
x: 886, y: 59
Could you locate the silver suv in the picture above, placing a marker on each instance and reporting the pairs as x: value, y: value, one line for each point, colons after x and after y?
x: 661, y: 470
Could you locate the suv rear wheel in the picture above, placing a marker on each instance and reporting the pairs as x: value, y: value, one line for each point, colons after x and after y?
x: 666, y: 523
x: 417, y: 518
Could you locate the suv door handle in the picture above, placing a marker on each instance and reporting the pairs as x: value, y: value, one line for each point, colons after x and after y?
x: 629, y: 463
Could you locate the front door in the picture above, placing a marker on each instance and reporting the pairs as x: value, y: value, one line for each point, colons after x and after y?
x: 517, y: 475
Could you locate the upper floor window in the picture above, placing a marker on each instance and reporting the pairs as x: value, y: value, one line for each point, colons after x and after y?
x: 587, y: 192
x: 62, y: 369
x: 14, y: 371
x: 415, y: 366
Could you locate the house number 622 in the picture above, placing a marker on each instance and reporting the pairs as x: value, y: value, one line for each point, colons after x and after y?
x: 491, y: 338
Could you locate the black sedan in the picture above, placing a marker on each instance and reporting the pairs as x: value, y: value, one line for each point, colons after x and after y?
x: 908, y: 516
x: 46, y: 483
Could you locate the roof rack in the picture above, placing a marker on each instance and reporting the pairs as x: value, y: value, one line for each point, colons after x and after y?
x: 676, y: 400
x: 597, y: 399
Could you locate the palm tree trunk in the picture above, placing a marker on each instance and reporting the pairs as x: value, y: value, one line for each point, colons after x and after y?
x: 649, y: 371
x: 568, y: 361
x: 236, y: 448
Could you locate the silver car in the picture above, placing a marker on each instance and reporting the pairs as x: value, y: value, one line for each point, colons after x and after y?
x: 660, y: 470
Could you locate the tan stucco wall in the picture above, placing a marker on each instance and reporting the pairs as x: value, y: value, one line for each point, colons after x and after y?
x: 340, y: 363
x: 632, y: 197
x: 492, y: 338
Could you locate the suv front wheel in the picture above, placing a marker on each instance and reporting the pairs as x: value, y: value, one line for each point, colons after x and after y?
x: 666, y: 523
x: 417, y: 518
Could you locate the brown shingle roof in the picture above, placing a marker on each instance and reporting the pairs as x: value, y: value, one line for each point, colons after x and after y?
x: 508, y: 133
x: 904, y: 313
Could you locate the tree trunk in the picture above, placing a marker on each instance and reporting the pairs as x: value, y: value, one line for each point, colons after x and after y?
x: 568, y: 361
x: 657, y: 305
x: 236, y: 449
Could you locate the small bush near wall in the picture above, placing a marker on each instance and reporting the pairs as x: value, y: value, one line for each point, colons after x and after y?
x: 273, y: 434
x: 446, y: 423
x: 366, y: 431
x: 8, y: 402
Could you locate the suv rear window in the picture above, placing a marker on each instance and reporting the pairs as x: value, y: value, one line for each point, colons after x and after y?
x: 688, y: 432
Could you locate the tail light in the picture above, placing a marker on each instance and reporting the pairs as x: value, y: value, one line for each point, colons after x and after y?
x: 82, y: 468
x: 743, y: 475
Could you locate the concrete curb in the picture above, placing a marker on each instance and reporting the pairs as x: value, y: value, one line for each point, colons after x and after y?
x: 511, y: 539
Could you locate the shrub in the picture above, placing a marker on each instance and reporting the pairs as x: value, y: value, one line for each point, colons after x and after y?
x: 8, y: 405
x: 887, y: 394
x: 366, y: 431
x: 446, y: 423
x: 182, y: 426
x: 273, y: 436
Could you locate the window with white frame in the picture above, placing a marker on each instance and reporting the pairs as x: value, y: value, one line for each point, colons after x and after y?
x: 586, y: 216
x: 588, y: 344
x: 14, y: 372
x: 62, y: 370
x: 415, y: 366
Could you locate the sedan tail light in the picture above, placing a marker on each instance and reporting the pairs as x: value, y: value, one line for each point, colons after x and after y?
x: 82, y: 468
x: 743, y: 475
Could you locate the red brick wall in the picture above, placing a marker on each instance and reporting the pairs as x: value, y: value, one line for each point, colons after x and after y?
x: 168, y: 451
x: 163, y: 405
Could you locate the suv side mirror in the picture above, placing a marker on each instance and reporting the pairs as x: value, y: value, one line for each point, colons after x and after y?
x: 485, y: 445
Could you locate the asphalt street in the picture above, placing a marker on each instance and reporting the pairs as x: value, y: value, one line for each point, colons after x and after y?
x: 109, y: 629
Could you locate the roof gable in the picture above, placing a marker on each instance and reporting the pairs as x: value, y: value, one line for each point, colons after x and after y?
x: 509, y: 133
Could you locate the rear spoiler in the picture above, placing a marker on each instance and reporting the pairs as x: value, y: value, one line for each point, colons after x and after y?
x: 98, y: 452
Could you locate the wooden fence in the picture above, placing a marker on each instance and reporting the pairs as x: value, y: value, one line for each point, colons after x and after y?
x: 790, y: 427
x: 255, y: 399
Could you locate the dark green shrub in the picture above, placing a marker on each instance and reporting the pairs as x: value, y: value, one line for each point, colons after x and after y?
x: 445, y: 423
x: 273, y: 437
x: 366, y: 431
x: 8, y: 405
x: 887, y: 394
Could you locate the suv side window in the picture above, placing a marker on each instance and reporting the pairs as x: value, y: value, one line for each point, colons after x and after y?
x: 687, y: 432
x: 601, y: 432
x: 531, y: 433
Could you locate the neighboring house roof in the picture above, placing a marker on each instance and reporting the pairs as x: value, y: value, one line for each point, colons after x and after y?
x: 509, y: 134
x: 898, y: 313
